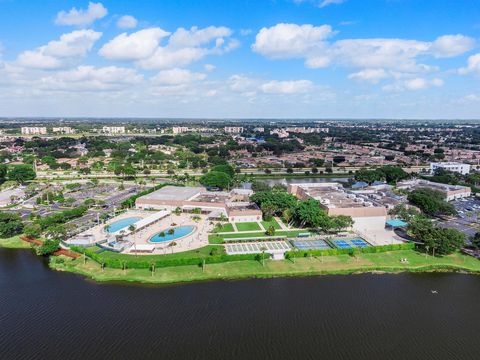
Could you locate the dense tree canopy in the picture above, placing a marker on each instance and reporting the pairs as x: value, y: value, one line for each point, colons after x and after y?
x: 441, y: 241
x: 216, y: 179
x: 22, y: 173
x: 431, y: 202
x: 10, y: 225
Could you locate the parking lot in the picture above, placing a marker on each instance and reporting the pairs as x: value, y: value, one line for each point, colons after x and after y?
x: 468, y: 218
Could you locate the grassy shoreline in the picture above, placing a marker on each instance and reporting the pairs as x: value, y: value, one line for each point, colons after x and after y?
x: 388, y: 262
x: 14, y: 243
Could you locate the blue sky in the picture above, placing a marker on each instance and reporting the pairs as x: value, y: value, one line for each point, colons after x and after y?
x: 234, y: 59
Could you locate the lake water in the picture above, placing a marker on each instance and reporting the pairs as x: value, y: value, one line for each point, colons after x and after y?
x: 52, y: 315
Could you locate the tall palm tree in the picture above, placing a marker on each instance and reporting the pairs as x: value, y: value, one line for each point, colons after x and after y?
x: 263, y: 248
x: 132, y: 229
x: 172, y: 244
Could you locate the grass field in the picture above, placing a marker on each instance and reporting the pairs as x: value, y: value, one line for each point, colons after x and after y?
x: 248, y: 226
x: 339, y: 264
x: 225, y: 228
x: 14, y: 243
x: 218, y: 239
x: 273, y: 222
x: 204, y: 251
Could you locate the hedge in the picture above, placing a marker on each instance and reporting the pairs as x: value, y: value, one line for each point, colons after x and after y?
x: 130, y: 202
x: 142, y: 263
x: 364, y: 250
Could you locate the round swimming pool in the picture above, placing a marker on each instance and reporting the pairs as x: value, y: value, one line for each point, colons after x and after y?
x: 122, y: 224
x: 178, y: 232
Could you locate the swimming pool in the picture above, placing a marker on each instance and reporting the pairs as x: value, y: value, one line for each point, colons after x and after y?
x: 123, y: 223
x: 179, y: 232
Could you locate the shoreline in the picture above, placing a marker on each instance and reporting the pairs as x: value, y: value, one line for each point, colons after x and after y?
x: 373, y: 263
x: 250, y: 269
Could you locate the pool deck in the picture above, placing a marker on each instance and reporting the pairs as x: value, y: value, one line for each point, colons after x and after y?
x: 197, y: 239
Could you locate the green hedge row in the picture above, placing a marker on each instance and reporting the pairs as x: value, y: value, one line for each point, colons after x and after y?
x: 364, y: 250
x: 130, y: 202
x: 142, y: 263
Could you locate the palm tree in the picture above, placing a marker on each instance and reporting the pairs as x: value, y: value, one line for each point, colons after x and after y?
x: 263, y: 248
x: 106, y: 228
x: 172, y: 244
x: 132, y: 229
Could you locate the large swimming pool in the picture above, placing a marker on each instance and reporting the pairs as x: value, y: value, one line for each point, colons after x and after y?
x: 123, y: 223
x: 179, y: 232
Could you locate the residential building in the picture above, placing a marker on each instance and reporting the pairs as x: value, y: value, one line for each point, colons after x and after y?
x: 34, y: 130
x: 233, y: 129
x: 180, y: 129
x: 114, y: 129
x: 463, y: 169
x: 63, y: 130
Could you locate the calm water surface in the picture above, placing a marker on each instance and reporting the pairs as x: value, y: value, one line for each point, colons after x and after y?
x: 51, y: 315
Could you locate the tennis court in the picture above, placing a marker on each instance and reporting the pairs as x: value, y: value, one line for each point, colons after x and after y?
x: 310, y: 245
x: 349, y: 244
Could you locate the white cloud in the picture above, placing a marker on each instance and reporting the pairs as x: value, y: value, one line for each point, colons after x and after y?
x: 81, y: 17
x: 452, y: 45
x: 127, y: 22
x: 196, y: 37
x: 136, y: 46
x: 413, y: 84
x: 58, y: 53
x: 177, y: 76
x: 370, y: 55
x: 209, y: 67
x: 186, y: 46
x: 291, y: 40
x: 287, y: 87
x: 89, y: 78
x: 369, y: 75
x: 470, y: 98
x: 321, y: 3
x: 473, y: 65
x: 330, y: 2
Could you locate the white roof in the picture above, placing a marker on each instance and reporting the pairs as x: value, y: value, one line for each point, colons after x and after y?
x: 145, y: 222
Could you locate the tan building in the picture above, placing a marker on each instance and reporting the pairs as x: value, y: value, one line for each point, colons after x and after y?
x: 451, y: 192
x: 180, y: 129
x: 337, y: 201
x: 234, y: 205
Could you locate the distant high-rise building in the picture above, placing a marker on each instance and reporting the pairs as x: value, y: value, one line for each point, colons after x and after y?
x: 114, y: 129
x: 34, y: 130
x: 233, y: 129
x: 63, y: 130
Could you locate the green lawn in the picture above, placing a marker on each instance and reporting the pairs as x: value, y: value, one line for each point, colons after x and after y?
x: 339, y: 264
x: 293, y: 233
x: 225, y: 228
x: 248, y: 226
x: 273, y: 222
x: 218, y: 239
x: 201, y: 252
x: 14, y: 243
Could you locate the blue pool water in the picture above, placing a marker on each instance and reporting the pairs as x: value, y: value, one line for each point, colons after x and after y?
x: 180, y: 231
x: 121, y: 224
